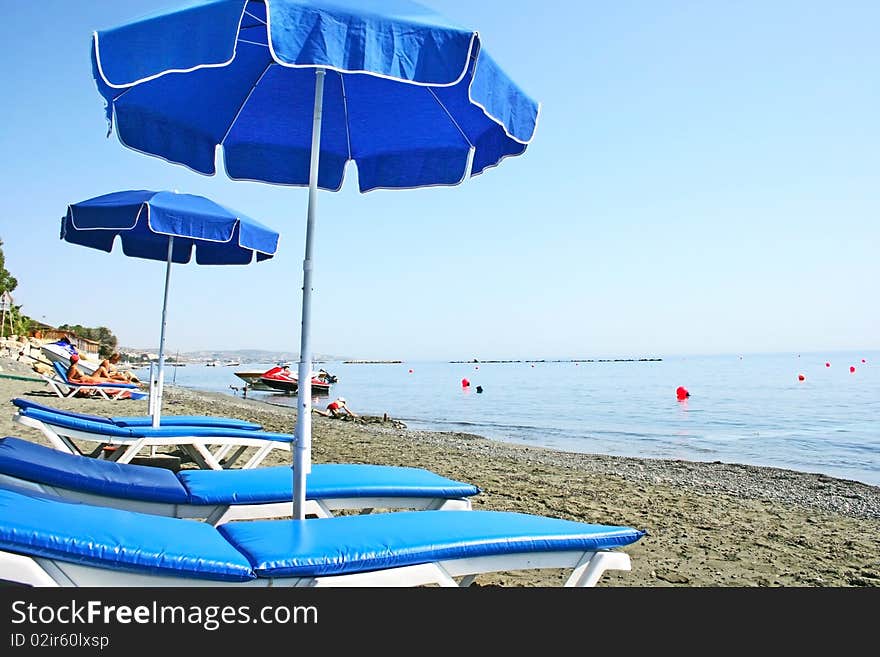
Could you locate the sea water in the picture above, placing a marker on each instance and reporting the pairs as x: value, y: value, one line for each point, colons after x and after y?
x: 751, y: 408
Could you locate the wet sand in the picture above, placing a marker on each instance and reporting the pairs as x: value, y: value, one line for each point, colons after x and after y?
x: 708, y: 524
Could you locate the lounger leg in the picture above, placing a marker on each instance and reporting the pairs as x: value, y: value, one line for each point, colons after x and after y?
x: 317, y: 508
x: 457, y: 504
x: 204, y: 458
x: 63, y: 391
x: 593, y: 566
x: 261, y: 453
x: 98, y: 451
x: 58, y: 441
x: 23, y: 570
x: 221, y: 452
x: 230, y: 460
x: 127, y: 453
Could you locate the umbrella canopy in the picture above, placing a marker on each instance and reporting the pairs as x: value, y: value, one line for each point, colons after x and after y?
x: 409, y: 96
x: 167, y: 226
x: 293, y: 90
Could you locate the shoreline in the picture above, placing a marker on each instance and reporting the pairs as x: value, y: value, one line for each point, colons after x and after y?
x: 709, y: 524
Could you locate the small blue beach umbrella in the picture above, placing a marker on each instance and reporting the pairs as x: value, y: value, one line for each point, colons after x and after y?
x: 294, y: 90
x: 167, y: 226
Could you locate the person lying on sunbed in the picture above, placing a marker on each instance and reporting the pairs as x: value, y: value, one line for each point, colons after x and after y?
x: 75, y: 375
x: 108, y: 369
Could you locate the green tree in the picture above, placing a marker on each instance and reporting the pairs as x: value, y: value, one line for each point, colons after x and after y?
x: 7, y: 281
x: 21, y: 323
x: 101, y: 334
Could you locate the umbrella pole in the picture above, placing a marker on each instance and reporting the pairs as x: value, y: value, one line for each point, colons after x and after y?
x: 160, y: 377
x: 302, y: 454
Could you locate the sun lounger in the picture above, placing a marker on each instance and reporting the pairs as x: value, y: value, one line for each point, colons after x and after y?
x: 210, y: 447
x: 48, y: 542
x: 143, y: 420
x: 221, y: 496
x: 59, y: 384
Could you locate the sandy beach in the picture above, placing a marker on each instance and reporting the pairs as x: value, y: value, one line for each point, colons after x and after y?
x: 708, y: 524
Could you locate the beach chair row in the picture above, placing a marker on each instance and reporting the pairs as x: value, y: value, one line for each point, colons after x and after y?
x: 135, y: 525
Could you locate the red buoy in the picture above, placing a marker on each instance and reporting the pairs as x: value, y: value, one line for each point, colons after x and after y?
x: 827, y: 364
x: 801, y: 377
x: 681, y: 393
x: 852, y: 368
x: 410, y: 371
x: 465, y: 383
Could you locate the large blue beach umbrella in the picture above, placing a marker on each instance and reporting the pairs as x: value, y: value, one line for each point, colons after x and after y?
x: 293, y: 90
x: 167, y: 226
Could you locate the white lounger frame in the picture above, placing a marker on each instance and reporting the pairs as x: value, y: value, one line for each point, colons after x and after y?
x: 219, y: 513
x: 586, y: 567
x: 198, y: 448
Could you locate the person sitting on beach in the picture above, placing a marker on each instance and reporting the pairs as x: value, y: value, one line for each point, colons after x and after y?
x: 336, y: 409
x: 108, y: 369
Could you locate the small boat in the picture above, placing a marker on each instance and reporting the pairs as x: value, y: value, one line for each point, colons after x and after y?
x: 60, y: 351
x: 281, y: 378
x: 252, y: 379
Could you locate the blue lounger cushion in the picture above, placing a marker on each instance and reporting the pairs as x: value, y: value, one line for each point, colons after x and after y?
x: 141, y: 420
x: 30, y: 461
x: 346, y: 544
x: 40, y: 526
x: 129, y: 433
x: 325, y: 481
x: 33, y: 462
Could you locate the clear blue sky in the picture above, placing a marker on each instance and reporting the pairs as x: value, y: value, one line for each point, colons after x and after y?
x: 705, y: 178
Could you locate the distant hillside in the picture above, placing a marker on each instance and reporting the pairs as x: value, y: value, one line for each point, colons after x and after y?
x: 241, y: 355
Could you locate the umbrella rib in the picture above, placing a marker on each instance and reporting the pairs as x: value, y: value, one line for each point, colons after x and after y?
x: 244, y: 102
x: 451, y: 118
x: 345, y: 111
x: 113, y: 110
x: 121, y: 94
x: 259, y: 23
x: 255, y: 17
x: 253, y: 43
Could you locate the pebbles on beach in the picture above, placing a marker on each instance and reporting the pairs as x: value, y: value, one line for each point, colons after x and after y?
x: 708, y: 524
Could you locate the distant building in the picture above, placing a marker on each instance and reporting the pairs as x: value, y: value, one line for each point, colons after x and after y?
x: 45, y: 334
